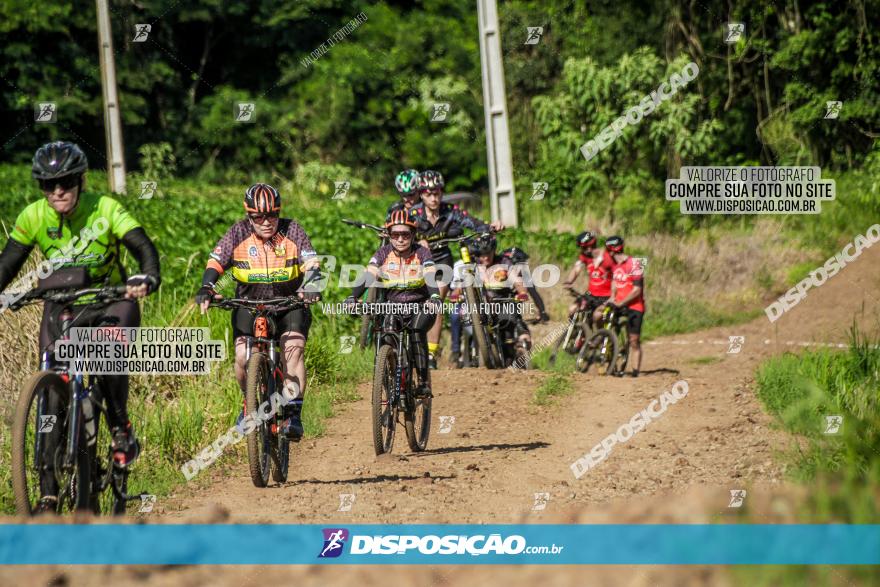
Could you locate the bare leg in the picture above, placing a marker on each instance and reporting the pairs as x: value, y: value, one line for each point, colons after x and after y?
x: 635, y: 352
x: 240, y: 361
x: 293, y: 346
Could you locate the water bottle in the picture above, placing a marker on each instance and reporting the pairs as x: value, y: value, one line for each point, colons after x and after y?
x: 91, y: 428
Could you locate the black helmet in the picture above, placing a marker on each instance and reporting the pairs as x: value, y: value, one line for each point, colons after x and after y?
x: 586, y: 239
x: 482, y: 245
x: 430, y: 180
x: 59, y: 159
x: 614, y: 244
x: 516, y: 255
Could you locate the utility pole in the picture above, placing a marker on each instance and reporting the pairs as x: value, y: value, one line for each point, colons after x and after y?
x: 112, y: 123
x: 501, y: 192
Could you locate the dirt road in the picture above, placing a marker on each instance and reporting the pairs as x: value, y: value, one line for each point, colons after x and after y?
x: 503, y: 449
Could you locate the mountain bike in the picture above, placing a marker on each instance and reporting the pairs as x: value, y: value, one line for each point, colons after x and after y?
x: 474, y: 298
x: 367, y: 328
x: 268, y: 448
x: 59, y: 445
x: 501, y: 330
x: 580, y: 326
x: 469, y: 355
x: 608, y: 348
x: 395, y: 380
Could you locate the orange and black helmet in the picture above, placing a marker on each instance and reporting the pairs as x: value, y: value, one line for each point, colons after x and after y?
x: 399, y: 217
x: 261, y: 198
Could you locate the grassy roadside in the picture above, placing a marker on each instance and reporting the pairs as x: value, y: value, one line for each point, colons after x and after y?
x: 842, y: 468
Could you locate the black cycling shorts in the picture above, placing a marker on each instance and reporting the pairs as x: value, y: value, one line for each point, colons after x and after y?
x: 634, y: 320
x: 594, y: 302
x: 295, y: 320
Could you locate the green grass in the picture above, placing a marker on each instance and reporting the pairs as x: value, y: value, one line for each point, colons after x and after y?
x: 553, y: 387
x: 842, y: 470
x: 681, y: 315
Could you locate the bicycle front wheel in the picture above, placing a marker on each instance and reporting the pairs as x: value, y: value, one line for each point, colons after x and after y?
x: 417, y: 419
x: 488, y: 355
x: 384, y: 408
x: 258, y: 441
x: 39, y: 444
x: 600, y: 350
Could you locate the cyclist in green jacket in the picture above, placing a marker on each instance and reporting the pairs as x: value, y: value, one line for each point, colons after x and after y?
x: 73, y: 228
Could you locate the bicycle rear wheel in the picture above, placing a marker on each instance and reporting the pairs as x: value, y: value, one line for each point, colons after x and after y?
x: 417, y: 419
x: 366, y: 332
x: 622, y: 358
x: 384, y: 410
x: 258, y: 441
x: 109, y: 483
x: 39, y: 442
x: 568, y: 340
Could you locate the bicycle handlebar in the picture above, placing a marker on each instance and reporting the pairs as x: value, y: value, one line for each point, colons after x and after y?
x: 455, y: 239
x: 271, y: 303
x: 104, y: 294
x: 357, y: 224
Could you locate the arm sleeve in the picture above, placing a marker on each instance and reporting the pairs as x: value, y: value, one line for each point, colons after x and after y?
x: 12, y: 260
x: 427, y: 261
x: 210, y: 277
x: 143, y: 249
x: 464, y: 219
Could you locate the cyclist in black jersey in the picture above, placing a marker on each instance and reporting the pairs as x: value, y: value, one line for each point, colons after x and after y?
x: 436, y: 220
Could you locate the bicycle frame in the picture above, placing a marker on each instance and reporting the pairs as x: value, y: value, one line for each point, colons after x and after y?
x: 77, y: 392
x: 399, y: 337
x: 263, y: 341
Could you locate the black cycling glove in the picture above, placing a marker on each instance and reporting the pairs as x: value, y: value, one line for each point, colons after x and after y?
x: 205, y: 294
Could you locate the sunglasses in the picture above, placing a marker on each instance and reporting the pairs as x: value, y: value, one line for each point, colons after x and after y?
x: 261, y: 218
x: 400, y: 235
x: 66, y: 183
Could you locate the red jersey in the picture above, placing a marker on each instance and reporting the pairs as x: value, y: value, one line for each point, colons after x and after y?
x: 627, y: 276
x: 600, y: 273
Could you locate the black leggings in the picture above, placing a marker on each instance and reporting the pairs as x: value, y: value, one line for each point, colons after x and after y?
x: 420, y: 323
x: 125, y: 313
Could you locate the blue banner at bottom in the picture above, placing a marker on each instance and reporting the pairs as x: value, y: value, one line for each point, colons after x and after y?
x: 794, y: 544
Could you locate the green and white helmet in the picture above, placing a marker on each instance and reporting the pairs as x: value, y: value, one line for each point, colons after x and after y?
x: 407, y: 182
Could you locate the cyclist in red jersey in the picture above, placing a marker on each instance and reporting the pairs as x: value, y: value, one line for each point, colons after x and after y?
x: 627, y: 293
x: 599, y: 267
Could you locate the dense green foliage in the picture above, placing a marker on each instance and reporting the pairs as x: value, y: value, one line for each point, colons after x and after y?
x: 366, y: 103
